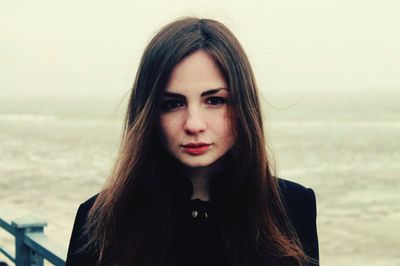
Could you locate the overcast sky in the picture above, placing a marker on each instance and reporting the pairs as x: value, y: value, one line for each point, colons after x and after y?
x: 52, y: 48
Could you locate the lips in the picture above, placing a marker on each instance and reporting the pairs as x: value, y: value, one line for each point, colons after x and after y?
x: 196, y: 148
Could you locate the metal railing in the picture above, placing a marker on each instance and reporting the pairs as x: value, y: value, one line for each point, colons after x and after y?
x: 32, y: 246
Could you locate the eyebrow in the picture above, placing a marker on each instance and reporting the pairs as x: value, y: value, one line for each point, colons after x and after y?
x: 205, y: 93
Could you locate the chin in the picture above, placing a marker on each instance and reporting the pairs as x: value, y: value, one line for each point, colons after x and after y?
x: 196, y: 163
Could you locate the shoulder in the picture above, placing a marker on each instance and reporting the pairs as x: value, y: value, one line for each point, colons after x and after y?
x: 83, y: 211
x: 75, y: 255
x: 300, y: 203
x: 295, y: 195
x: 87, y: 205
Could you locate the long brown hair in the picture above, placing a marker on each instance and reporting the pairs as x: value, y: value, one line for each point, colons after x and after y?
x: 141, y: 190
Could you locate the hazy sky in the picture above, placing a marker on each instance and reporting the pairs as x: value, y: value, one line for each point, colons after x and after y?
x: 52, y: 48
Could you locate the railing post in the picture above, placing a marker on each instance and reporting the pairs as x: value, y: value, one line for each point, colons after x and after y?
x: 24, y: 256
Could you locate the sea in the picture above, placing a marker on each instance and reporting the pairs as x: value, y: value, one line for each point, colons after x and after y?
x: 56, y: 152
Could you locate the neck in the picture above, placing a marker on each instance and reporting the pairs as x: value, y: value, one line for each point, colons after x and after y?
x: 201, y: 188
x: 200, y: 178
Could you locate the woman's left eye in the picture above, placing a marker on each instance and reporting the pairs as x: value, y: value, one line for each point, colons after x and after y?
x: 216, y: 100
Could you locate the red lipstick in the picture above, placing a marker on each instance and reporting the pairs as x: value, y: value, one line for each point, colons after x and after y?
x: 196, y: 148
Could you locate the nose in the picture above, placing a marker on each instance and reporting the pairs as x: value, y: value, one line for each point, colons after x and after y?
x: 194, y: 123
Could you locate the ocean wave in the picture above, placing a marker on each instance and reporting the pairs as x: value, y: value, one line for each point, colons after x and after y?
x: 27, y: 117
x: 372, y: 123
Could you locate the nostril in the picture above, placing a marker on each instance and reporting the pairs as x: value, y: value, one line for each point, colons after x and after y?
x: 193, y: 131
x: 194, y: 125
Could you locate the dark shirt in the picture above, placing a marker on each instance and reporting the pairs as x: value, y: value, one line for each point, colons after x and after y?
x: 198, y: 227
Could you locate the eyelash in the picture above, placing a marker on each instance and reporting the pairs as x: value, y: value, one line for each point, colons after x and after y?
x: 221, y: 100
x: 166, y: 105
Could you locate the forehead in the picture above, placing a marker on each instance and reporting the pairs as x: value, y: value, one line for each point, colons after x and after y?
x: 196, y: 72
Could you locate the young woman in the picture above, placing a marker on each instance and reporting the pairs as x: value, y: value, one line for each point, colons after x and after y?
x: 193, y: 184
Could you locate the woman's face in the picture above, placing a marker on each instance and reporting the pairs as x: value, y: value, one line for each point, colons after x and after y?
x: 194, y: 118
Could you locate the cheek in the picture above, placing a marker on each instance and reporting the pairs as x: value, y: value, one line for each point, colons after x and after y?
x: 222, y: 126
x: 168, y: 129
x: 229, y: 135
x: 229, y: 130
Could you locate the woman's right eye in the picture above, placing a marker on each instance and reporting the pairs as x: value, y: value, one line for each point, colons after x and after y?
x: 170, y: 105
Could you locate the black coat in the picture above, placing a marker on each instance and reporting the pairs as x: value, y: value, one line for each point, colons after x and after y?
x: 198, y: 234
